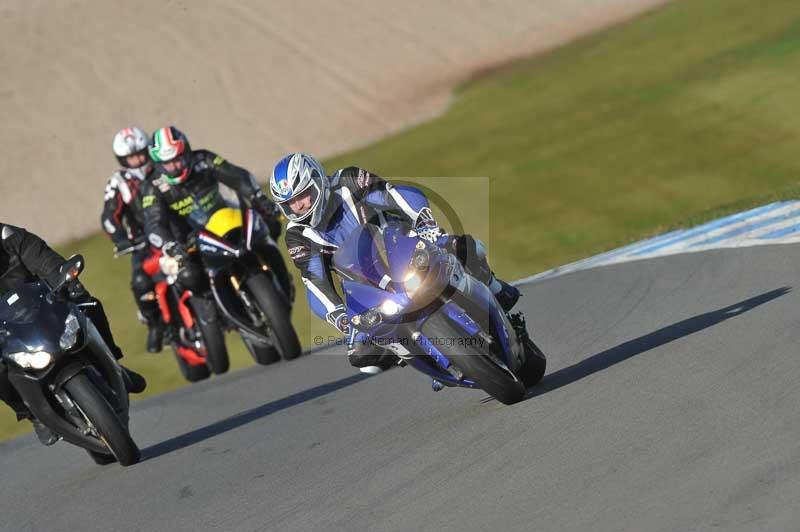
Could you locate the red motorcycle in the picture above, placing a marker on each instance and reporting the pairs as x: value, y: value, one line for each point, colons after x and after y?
x: 192, y: 324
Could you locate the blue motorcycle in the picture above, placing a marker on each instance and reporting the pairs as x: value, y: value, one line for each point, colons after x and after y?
x: 415, y: 299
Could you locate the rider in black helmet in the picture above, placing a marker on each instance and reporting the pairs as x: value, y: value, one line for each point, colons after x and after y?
x: 24, y: 258
x: 192, y: 184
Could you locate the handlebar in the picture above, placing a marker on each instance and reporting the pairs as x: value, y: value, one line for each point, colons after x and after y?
x: 127, y: 251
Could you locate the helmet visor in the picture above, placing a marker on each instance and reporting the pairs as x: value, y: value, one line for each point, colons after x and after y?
x: 176, y: 167
x: 301, y: 205
x: 134, y: 160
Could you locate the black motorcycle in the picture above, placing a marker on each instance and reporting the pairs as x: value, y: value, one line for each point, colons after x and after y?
x: 64, y: 371
x: 244, y: 286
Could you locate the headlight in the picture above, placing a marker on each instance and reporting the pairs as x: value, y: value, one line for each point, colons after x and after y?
x: 390, y: 308
x: 372, y: 317
x: 37, y: 360
x: 169, y: 265
x: 368, y: 319
x: 71, y: 330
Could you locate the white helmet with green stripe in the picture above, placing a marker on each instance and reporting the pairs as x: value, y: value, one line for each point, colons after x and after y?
x: 170, y: 150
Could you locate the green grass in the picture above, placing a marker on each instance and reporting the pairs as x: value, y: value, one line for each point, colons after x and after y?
x: 680, y: 115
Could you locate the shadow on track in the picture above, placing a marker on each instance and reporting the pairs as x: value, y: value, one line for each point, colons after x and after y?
x: 634, y: 347
x: 248, y: 416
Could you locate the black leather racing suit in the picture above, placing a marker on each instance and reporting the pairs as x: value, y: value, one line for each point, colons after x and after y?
x: 25, y: 258
x: 169, y: 209
x: 123, y: 220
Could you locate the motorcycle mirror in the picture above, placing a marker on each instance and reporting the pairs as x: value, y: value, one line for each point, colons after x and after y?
x: 72, y: 268
x: 69, y: 271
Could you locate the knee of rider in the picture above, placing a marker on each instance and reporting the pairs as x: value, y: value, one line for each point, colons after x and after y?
x: 191, y: 276
x: 471, y: 248
x: 141, y: 283
x: 472, y: 254
x: 6, y: 389
x: 480, y: 249
x: 461, y: 246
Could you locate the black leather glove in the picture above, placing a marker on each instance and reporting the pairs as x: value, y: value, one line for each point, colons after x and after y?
x: 122, y: 244
x: 172, y: 249
x: 263, y: 206
x: 269, y: 212
x: 274, y: 227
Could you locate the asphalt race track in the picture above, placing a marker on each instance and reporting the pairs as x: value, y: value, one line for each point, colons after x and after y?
x: 672, y: 402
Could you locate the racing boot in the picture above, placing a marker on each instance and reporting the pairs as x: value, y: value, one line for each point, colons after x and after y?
x: 369, y: 358
x: 134, y: 382
x: 155, y: 337
x: 155, y: 331
x: 472, y: 254
x: 45, y: 435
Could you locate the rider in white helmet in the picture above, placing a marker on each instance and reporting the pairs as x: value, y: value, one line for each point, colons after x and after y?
x: 323, y: 211
x: 123, y: 220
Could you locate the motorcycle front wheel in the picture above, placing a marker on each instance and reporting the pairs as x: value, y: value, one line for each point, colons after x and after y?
x: 277, y: 312
x: 102, y: 419
x: 475, y: 363
x: 208, y: 323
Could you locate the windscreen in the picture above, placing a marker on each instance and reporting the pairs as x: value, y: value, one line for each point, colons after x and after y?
x: 213, y: 209
x: 361, y: 255
x: 21, y: 306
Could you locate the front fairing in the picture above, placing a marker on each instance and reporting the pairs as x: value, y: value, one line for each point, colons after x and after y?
x: 230, y: 238
x: 216, y: 253
x: 359, y: 257
x: 375, y: 262
x: 383, y: 258
x: 32, y: 320
x: 200, y: 206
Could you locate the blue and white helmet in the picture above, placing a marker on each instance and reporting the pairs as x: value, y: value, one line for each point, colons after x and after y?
x: 294, y: 178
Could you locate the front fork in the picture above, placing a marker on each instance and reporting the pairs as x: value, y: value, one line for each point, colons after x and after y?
x: 253, y: 313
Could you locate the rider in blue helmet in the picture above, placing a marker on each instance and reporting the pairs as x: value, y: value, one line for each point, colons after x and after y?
x: 322, y: 212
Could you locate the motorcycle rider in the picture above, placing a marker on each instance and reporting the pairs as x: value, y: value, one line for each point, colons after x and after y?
x: 24, y: 258
x: 322, y: 211
x: 123, y: 220
x: 187, y: 183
